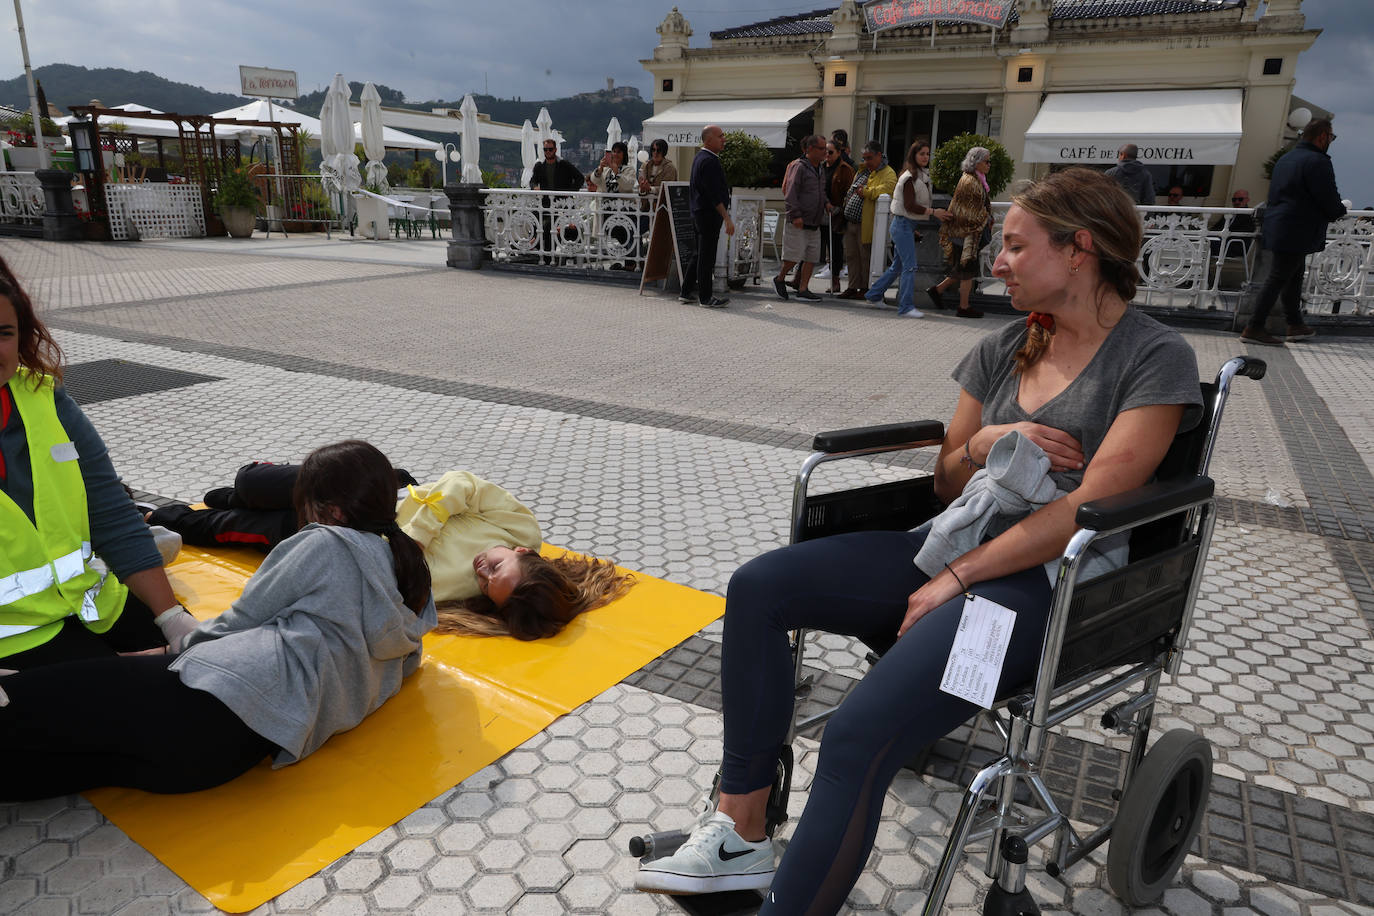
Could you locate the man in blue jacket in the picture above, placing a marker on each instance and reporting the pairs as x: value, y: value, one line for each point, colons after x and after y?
x: 710, y: 201
x: 1302, y: 200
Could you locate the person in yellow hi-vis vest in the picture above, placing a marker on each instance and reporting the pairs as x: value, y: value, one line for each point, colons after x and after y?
x: 80, y: 575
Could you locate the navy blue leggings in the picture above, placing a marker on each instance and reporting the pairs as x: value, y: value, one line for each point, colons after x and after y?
x: 856, y: 585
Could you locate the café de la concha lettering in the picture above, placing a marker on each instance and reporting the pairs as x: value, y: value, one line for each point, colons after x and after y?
x: 891, y: 14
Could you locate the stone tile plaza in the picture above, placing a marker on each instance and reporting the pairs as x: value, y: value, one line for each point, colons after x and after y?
x: 667, y: 437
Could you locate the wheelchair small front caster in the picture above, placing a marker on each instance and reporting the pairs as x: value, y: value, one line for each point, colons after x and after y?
x: 1160, y: 815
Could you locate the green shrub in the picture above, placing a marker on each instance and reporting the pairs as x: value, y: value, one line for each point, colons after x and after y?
x: 1268, y: 167
x: 235, y: 190
x: 944, y: 165
x: 746, y: 159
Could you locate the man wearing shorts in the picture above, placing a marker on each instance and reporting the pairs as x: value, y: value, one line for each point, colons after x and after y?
x: 804, y: 192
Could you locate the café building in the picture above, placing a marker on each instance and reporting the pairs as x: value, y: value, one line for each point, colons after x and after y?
x: 1203, y: 87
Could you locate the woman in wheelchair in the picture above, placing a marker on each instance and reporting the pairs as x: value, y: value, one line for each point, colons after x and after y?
x: 1100, y: 389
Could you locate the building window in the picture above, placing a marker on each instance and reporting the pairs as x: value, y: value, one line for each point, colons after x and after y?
x: 1025, y: 74
x: 1273, y: 66
x: 841, y: 78
x: 667, y: 85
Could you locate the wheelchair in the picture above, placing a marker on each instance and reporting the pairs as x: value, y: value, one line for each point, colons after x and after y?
x: 1118, y: 633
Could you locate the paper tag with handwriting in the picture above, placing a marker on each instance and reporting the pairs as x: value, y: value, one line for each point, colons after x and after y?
x: 980, y: 647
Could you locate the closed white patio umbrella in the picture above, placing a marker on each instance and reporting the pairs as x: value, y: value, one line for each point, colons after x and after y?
x: 472, y: 173
x: 612, y: 133
x: 545, y: 125
x: 374, y: 144
x: 339, y: 165
x: 528, y: 156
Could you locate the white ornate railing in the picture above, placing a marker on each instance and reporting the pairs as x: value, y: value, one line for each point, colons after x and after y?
x: 154, y: 210
x: 1342, y: 272
x: 574, y: 228
x: 1204, y: 257
x: 21, y: 198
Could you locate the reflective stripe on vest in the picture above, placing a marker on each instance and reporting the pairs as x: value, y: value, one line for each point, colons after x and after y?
x: 33, y: 581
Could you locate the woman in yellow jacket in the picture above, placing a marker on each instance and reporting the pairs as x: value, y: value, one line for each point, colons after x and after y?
x: 875, y: 179
x: 80, y: 575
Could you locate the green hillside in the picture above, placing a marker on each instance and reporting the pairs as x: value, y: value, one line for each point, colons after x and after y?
x: 66, y: 85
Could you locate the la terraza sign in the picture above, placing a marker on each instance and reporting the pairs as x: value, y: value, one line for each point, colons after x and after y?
x: 892, y: 14
x: 266, y: 83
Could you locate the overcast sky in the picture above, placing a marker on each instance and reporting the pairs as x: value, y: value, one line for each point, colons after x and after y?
x: 438, y: 49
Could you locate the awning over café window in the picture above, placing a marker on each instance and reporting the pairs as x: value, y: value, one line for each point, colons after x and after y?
x: 1198, y: 127
x: 765, y: 119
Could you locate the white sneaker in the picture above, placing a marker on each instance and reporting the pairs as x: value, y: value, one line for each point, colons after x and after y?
x: 911, y: 313
x: 844, y: 273
x: 823, y: 273
x: 714, y: 858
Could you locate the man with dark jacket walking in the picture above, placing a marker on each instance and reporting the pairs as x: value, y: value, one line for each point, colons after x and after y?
x: 1302, y: 200
x: 709, y: 194
x: 1133, y: 176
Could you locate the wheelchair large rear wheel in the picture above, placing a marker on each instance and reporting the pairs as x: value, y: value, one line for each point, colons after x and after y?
x: 1160, y: 814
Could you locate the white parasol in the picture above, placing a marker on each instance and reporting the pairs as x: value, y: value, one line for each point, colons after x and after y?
x: 472, y: 173
x: 339, y: 165
x: 374, y: 144
x: 528, y: 156
x: 544, y: 123
x: 612, y: 133
x: 633, y: 144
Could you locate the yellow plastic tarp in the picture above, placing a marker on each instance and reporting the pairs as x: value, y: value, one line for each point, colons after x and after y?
x: 472, y: 700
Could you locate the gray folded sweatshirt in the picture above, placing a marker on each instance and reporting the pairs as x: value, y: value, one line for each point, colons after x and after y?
x: 1015, y: 483
x: 319, y: 639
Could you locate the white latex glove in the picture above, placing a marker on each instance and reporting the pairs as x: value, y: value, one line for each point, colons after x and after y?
x: 175, y: 623
x: 5, y: 697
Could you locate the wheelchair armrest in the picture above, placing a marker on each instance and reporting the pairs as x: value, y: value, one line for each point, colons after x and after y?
x: 862, y: 437
x: 1149, y: 501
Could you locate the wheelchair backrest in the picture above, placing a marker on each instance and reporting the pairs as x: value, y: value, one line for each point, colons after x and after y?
x: 1134, y: 614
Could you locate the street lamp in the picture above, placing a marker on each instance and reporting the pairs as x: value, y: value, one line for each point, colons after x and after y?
x: 452, y: 156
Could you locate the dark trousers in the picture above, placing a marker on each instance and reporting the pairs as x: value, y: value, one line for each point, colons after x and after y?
x: 255, y: 512
x: 132, y: 632
x: 1286, y: 269
x: 701, y: 270
x: 857, y: 585
x: 117, y: 721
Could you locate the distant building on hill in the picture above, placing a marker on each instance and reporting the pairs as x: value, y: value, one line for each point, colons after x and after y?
x: 612, y: 93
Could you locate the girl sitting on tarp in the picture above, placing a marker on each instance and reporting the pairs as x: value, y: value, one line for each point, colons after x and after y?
x: 323, y: 634
x: 480, y: 541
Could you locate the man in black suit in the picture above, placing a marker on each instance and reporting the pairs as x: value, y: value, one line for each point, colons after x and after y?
x: 709, y: 193
x: 553, y: 174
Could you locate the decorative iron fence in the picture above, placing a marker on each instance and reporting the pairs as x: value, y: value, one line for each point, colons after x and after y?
x: 21, y: 199
x: 1207, y: 258
x: 154, y: 210
x: 597, y: 231
x: 577, y: 228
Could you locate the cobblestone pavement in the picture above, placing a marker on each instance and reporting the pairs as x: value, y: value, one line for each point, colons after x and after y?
x: 666, y: 436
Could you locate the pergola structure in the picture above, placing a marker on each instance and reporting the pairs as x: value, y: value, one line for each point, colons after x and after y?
x: 204, y: 150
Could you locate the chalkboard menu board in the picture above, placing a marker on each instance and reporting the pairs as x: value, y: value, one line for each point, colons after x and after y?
x: 673, y: 236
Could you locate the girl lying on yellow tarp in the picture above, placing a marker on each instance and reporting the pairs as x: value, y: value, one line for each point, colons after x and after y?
x: 480, y: 542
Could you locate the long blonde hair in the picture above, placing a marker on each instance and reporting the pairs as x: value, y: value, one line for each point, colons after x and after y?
x: 551, y: 593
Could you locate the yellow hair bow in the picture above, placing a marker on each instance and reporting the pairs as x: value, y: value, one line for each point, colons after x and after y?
x: 433, y: 500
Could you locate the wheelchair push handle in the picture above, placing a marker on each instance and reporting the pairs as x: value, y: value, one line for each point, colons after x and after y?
x: 1251, y: 367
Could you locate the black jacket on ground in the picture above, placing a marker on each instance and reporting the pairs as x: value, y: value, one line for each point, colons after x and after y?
x: 1302, y: 200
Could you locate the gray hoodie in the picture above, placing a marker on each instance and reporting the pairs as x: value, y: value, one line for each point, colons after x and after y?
x: 1015, y: 483
x: 319, y: 639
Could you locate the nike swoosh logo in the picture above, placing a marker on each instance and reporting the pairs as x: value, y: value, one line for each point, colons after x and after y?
x: 726, y: 856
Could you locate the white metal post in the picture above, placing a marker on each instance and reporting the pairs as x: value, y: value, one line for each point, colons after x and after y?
x: 33, y: 91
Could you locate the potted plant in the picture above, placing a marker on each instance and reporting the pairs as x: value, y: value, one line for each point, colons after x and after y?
x: 237, y: 203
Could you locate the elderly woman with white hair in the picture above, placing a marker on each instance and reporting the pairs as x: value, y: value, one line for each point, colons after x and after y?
x: 967, y: 230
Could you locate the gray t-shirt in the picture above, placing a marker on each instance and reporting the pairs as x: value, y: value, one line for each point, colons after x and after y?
x: 1141, y: 363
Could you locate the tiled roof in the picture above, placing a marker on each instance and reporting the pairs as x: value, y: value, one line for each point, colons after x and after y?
x: 818, y: 21
x: 795, y: 24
